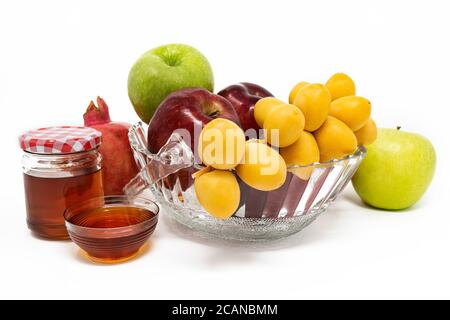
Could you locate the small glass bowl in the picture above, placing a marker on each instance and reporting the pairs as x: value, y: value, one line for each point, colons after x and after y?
x: 112, y: 229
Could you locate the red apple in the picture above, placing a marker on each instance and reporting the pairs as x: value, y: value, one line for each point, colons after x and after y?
x: 189, y: 110
x: 243, y: 97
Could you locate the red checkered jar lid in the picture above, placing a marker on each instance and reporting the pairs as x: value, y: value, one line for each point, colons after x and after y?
x: 60, y: 140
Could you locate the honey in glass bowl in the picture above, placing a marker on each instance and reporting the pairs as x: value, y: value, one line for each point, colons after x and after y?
x: 112, y: 229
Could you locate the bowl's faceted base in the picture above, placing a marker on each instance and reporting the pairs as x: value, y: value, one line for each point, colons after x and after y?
x: 117, y: 260
x: 239, y: 228
x: 111, y: 261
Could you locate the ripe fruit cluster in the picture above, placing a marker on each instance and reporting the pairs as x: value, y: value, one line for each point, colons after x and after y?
x: 222, y: 148
x: 335, y: 121
x: 320, y: 123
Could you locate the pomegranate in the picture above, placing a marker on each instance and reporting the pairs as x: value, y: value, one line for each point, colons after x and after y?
x: 118, y: 162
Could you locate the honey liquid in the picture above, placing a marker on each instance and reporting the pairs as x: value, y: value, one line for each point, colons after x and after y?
x: 47, y: 198
x: 111, y: 217
x: 111, y: 246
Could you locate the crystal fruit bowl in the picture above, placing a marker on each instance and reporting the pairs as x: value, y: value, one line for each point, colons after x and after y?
x: 307, y: 192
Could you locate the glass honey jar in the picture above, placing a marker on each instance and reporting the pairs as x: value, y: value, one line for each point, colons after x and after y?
x: 61, y: 167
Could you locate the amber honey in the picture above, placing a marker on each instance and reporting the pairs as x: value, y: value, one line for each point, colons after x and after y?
x: 111, y: 229
x: 111, y: 217
x: 61, y: 167
x: 47, y: 198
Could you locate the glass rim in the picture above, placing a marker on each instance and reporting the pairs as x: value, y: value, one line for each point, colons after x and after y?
x: 359, y: 152
x: 110, y: 198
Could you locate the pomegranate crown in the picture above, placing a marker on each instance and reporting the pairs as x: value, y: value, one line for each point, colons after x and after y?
x: 96, y: 114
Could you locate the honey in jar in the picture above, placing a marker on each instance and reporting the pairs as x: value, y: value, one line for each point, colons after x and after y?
x: 61, y: 167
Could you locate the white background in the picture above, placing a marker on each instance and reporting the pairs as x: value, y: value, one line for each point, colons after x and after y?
x: 57, y: 55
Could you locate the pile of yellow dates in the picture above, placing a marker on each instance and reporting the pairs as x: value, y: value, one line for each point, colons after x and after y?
x: 320, y: 123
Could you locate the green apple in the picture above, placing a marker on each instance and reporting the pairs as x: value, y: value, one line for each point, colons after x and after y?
x: 397, y: 170
x: 163, y: 70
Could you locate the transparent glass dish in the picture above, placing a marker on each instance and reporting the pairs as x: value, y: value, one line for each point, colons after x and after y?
x: 307, y: 192
x: 110, y: 229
